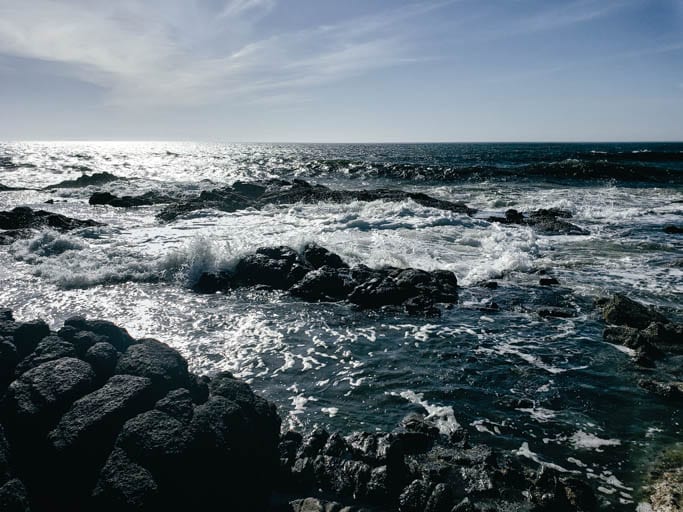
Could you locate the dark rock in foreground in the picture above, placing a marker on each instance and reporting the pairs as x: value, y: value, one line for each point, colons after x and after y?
x: 319, y: 275
x: 18, y: 221
x: 92, y: 419
x: 240, y: 196
x: 545, y: 221
x: 417, y: 469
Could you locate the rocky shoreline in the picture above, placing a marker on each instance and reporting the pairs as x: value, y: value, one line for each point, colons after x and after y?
x: 93, y: 419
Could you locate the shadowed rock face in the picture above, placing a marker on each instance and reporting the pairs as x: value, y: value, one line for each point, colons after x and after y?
x: 92, y: 419
x: 545, y: 221
x: 319, y: 275
x: 87, y: 180
x: 240, y: 196
x: 417, y: 469
x: 643, y: 329
x: 20, y: 220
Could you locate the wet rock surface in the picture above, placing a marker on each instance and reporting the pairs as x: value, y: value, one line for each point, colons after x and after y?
x: 647, y: 331
x: 417, y: 469
x: 86, y: 180
x: 18, y: 222
x: 544, y: 221
x: 93, y: 419
x: 316, y: 274
x: 242, y: 195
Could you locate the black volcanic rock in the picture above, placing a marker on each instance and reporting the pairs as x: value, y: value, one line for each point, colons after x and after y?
x: 257, y: 195
x: 81, y: 439
x: 318, y: 257
x: 13, y: 497
x: 545, y: 221
x: 146, y: 199
x: 49, y: 349
x: 620, y: 310
x: 164, y: 366
x: 23, y: 217
x: 103, y: 357
x: 415, y: 291
x: 27, y: 335
x: 673, y: 230
x: 104, y: 330
x: 86, y: 180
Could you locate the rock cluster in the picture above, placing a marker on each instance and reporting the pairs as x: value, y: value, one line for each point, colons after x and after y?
x: 241, y: 195
x: 317, y: 274
x: 416, y: 469
x: 18, y: 221
x: 545, y: 221
x: 92, y: 419
x: 641, y: 328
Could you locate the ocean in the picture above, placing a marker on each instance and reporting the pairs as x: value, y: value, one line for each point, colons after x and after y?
x: 539, y: 387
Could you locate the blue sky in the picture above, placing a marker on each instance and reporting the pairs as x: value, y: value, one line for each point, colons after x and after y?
x: 351, y: 70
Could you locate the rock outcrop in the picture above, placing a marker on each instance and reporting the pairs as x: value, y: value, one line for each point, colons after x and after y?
x: 641, y: 328
x: 241, y: 195
x: 93, y: 419
x: 317, y: 274
x: 545, y: 221
x: 18, y: 222
x: 417, y: 469
x: 86, y: 180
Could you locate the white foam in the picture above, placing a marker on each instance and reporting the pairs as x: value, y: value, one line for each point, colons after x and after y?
x: 442, y: 416
x: 330, y: 411
x: 587, y: 441
x: 539, y: 413
x: 525, y: 451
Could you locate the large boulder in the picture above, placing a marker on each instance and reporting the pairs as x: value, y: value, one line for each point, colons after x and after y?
x: 39, y: 396
x: 164, y: 366
x: 317, y: 257
x: 49, y: 349
x: 325, y: 284
x: 23, y: 217
x: 27, y: 335
x: 101, y: 329
x: 95, y: 419
x: 277, y: 267
x: 620, y: 310
x: 125, y: 486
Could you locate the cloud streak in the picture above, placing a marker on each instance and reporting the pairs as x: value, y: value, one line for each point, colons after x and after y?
x: 192, y: 52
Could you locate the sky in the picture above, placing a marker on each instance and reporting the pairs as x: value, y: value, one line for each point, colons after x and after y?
x: 341, y: 70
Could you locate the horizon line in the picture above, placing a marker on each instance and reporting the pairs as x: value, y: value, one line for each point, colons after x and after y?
x: 188, y: 141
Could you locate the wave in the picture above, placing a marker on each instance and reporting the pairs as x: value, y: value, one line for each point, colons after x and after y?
x: 638, y: 155
x: 581, y: 169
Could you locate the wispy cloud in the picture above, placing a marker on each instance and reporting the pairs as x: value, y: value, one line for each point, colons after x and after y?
x: 193, y: 52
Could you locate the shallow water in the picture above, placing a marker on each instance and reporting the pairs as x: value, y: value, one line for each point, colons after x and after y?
x: 329, y: 365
